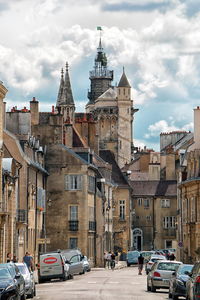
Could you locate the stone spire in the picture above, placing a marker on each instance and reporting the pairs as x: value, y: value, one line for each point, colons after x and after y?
x: 65, y: 96
x: 124, y: 81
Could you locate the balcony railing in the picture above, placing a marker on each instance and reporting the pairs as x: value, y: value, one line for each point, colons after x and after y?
x: 92, y: 226
x: 73, y: 225
x: 21, y: 215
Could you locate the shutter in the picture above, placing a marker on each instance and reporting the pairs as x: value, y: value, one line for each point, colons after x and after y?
x: 67, y: 179
x: 79, y: 181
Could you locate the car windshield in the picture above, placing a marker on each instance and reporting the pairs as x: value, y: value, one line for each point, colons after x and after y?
x: 23, y: 269
x: 184, y: 268
x: 168, y: 266
x: 5, y: 274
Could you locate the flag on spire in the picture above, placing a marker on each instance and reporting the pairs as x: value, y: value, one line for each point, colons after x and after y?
x: 99, y: 28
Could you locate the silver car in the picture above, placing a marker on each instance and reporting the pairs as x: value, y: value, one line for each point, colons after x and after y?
x: 153, y: 259
x: 160, y: 274
x: 28, y: 278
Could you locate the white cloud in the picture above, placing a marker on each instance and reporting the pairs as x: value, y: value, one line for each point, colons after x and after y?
x: 162, y: 126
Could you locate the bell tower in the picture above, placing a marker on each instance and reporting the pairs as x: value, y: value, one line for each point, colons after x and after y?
x: 100, y: 77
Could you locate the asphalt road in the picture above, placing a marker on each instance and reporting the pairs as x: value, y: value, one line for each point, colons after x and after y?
x: 101, y: 284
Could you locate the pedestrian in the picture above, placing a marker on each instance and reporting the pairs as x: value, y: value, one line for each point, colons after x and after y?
x: 8, y: 257
x: 109, y: 259
x: 105, y: 259
x: 112, y: 263
x: 140, y: 264
x: 172, y: 256
x: 14, y: 260
x: 28, y: 260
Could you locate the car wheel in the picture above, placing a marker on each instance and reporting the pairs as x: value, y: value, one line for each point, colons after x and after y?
x: 148, y: 288
x: 128, y: 265
x: 23, y: 297
x: 174, y: 297
x: 153, y: 289
x: 169, y: 295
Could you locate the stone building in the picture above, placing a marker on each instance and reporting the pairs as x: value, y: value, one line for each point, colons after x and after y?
x: 30, y: 181
x: 189, y: 200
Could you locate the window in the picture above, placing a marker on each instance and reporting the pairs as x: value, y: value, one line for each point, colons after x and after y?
x: 169, y: 222
x: 148, y: 218
x: 73, y: 182
x: 73, y: 213
x: 122, y: 209
x: 91, y: 184
x: 168, y: 244
x: 74, y: 259
x: 73, y: 243
x: 139, y: 201
x: 146, y: 203
x: 165, y: 203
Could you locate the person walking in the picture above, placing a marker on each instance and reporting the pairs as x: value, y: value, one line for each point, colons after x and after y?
x: 28, y: 260
x: 112, y: 263
x: 140, y: 264
x: 105, y: 259
x: 109, y: 259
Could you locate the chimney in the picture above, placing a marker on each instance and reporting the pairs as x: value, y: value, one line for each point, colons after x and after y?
x: 34, y: 109
x: 197, y: 127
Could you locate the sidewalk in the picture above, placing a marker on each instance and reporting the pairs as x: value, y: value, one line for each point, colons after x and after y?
x: 119, y: 265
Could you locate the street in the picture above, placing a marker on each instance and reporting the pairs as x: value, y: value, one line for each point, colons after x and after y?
x: 101, y: 284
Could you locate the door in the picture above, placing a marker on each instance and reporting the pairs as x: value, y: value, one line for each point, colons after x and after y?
x: 137, y: 239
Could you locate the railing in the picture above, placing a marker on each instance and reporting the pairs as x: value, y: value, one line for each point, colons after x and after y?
x: 73, y: 225
x: 92, y: 226
x: 21, y: 215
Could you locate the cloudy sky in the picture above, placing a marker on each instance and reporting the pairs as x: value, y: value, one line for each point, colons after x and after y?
x: 157, y: 41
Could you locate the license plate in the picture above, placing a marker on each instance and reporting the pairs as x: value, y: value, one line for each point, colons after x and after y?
x: 166, y: 281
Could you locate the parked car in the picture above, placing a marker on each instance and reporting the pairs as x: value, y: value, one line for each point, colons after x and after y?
x: 153, y: 259
x: 147, y: 255
x: 177, y: 285
x: 28, y: 278
x: 132, y: 257
x: 193, y: 283
x: 86, y: 264
x: 12, y: 285
x: 74, y: 258
x: 160, y: 274
x: 52, y: 265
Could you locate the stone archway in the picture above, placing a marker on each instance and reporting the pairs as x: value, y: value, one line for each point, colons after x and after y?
x: 137, y: 239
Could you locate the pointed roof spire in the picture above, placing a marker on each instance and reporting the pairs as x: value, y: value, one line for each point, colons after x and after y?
x: 65, y: 96
x: 124, y: 81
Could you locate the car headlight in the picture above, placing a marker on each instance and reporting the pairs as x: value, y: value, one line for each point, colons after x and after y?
x: 180, y: 282
x: 10, y: 287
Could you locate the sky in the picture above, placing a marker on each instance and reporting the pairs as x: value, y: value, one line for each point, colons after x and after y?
x: 157, y: 42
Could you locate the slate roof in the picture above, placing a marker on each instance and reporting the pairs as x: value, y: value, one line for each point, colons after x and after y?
x: 111, y: 93
x: 117, y: 175
x: 154, y: 188
x: 124, y: 81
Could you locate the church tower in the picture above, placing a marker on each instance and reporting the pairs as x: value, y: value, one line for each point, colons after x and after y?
x: 65, y: 101
x: 125, y: 121
x: 100, y: 77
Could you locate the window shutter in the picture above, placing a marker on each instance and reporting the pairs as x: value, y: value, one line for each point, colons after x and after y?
x: 67, y: 183
x: 79, y: 187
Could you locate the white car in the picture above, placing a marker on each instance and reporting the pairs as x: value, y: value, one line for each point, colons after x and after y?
x: 28, y: 278
x: 153, y: 259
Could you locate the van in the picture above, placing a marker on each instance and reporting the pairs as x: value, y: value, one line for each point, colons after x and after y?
x: 52, y: 265
x: 74, y: 258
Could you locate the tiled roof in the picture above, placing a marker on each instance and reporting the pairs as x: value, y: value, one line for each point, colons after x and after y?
x: 154, y: 188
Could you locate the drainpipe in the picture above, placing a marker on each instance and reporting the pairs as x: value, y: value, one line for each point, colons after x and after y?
x: 36, y: 225
x: 95, y: 232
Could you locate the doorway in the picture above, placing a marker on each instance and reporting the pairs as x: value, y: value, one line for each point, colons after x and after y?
x: 137, y: 239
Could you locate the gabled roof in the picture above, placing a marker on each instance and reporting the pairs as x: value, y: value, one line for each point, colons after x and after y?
x: 117, y: 175
x: 154, y: 188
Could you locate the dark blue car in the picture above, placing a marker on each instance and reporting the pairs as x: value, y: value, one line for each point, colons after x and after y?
x: 177, y: 285
x: 12, y: 285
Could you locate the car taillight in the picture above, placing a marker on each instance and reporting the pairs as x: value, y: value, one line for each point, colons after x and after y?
x: 197, y: 279
x: 38, y: 266
x: 150, y: 263
x: 156, y: 274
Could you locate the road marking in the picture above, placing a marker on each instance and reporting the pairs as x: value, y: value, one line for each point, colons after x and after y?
x: 113, y: 282
x: 92, y: 282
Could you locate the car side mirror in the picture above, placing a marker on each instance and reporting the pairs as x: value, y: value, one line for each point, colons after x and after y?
x: 82, y: 257
x: 68, y: 262
x: 174, y: 273
x: 17, y: 276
